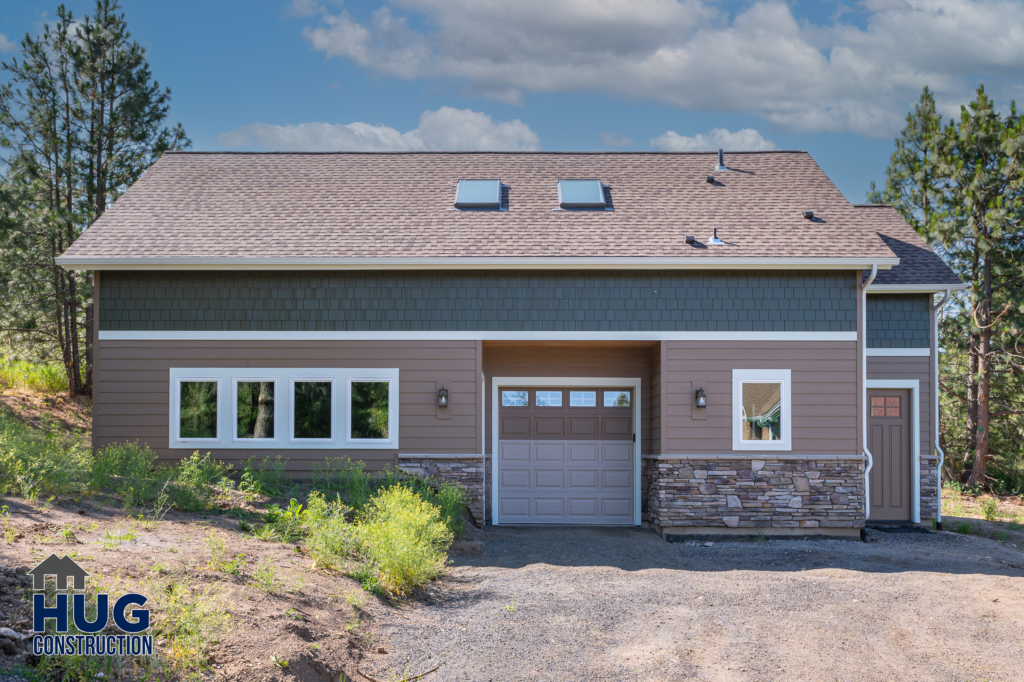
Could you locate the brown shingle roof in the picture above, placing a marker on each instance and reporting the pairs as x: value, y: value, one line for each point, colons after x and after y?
x: 918, y: 263
x: 399, y: 205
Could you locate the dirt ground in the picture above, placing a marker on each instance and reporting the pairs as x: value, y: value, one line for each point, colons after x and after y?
x: 603, y: 604
x: 61, y: 412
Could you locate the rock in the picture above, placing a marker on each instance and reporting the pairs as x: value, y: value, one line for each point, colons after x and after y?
x: 801, y: 484
x: 733, y: 501
x: 707, y: 489
x: 381, y: 650
x: 8, y: 633
x: 731, y: 521
x: 795, y: 502
x: 840, y: 499
x: 8, y: 648
x: 756, y: 464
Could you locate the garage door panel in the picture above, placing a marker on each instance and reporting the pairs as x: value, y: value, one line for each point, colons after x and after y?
x: 514, y: 478
x: 617, y: 452
x: 585, y: 507
x: 510, y: 507
x: 548, y: 478
x: 584, y: 452
x: 549, y: 507
x: 515, y: 452
x: 616, y: 480
x: 548, y: 452
x: 583, y: 427
x: 622, y: 508
x: 550, y: 427
x: 514, y: 427
x: 583, y: 478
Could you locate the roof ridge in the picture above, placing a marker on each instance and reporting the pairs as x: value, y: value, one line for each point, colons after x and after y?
x: 518, y: 153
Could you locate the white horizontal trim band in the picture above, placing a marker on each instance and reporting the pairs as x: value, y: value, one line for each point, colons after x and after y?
x: 112, y: 335
x: 473, y: 263
x: 914, y: 288
x: 436, y: 456
x: 898, y: 352
x: 767, y: 456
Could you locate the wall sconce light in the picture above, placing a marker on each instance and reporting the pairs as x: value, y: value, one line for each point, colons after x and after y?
x: 442, y: 397
x: 702, y: 398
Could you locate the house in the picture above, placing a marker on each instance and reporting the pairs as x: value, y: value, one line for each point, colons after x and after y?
x: 702, y: 344
x: 61, y: 568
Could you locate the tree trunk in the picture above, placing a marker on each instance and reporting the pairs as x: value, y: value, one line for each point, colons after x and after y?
x: 265, y: 411
x: 979, y: 473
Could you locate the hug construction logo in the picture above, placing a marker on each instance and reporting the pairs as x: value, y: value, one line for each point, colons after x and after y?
x: 88, y: 638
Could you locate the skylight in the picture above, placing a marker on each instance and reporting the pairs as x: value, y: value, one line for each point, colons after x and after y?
x: 478, y: 194
x: 580, y: 194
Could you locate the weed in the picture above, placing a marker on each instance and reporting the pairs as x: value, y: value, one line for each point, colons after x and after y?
x: 267, y: 532
x: 217, y: 548
x: 352, y: 626
x: 404, y: 538
x: 67, y: 533
x: 1002, y: 535
x: 366, y: 575
x: 190, y: 620
x: 265, y: 576
x: 264, y: 478
x: 123, y: 531
x: 989, y: 508
x: 330, y: 537
x: 244, y: 527
x: 126, y: 468
x: 293, y: 614
x: 963, y: 528
x: 193, y: 478
x: 356, y: 600
x: 278, y: 661
x: 37, y: 463
x: 9, y: 533
x: 511, y: 608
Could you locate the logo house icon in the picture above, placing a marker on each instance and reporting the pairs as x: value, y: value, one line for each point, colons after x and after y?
x: 61, y: 568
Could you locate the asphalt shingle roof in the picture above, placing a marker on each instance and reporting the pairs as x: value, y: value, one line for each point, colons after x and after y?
x: 370, y: 205
x: 918, y: 263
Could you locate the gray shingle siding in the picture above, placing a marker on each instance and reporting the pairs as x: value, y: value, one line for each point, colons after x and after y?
x: 479, y: 301
x: 899, y: 321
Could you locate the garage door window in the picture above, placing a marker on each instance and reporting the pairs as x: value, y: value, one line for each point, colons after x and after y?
x: 616, y: 398
x: 549, y: 399
x: 515, y: 399
x: 582, y: 398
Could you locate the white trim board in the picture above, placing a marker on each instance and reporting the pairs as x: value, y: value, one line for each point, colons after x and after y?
x: 119, y: 335
x: 512, y: 382
x: 915, y: 440
x: 695, y: 262
x: 898, y: 352
x: 915, y: 288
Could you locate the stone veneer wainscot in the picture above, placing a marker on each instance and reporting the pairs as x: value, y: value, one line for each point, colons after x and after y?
x: 466, y: 471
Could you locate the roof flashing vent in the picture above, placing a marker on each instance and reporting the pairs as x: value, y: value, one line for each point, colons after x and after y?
x: 581, y: 194
x: 808, y: 215
x: 721, y: 161
x: 715, y: 240
x: 478, y: 194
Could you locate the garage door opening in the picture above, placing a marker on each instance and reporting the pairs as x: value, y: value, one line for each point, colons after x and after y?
x: 566, y: 453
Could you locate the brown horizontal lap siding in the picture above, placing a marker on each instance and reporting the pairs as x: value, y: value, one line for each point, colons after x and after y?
x: 824, y: 393
x: 571, y: 361
x: 132, y: 388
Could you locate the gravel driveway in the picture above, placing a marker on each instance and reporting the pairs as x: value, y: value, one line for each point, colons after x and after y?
x: 608, y: 604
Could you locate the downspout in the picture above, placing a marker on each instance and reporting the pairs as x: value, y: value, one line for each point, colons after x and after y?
x: 483, y: 447
x: 936, y: 307
x: 864, y: 396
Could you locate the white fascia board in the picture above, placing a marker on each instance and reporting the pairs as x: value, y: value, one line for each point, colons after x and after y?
x: 914, y: 288
x: 481, y: 263
x: 112, y: 335
x: 898, y: 352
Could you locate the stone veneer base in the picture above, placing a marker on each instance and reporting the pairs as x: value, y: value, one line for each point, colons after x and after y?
x: 691, y: 533
x: 466, y: 471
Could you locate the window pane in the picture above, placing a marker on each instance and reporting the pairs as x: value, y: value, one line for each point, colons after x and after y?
x: 313, y: 409
x: 198, y: 403
x: 255, y: 409
x: 549, y: 398
x: 370, y: 409
x: 514, y: 399
x: 762, y: 411
x: 616, y: 398
x: 582, y: 398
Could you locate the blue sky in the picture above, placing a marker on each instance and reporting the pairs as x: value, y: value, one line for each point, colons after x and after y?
x: 833, y: 78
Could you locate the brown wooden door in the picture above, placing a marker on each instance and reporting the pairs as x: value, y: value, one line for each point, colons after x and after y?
x: 889, y: 437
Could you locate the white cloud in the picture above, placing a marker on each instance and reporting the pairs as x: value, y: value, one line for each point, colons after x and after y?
x: 7, y: 45
x: 746, y: 140
x: 446, y: 129
x: 614, y: 140
x: 696, y: 54
x: 303, y: 8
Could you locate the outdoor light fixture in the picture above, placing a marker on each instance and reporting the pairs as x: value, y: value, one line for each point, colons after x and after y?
x: 702, y: 398
x: 442, y: 397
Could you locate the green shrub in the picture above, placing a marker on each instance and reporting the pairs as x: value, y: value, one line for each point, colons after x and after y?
x: 35, y: 463
x: 989, y: 508
x: 192, y: 481
x: 127, y: 468
x: 265, y: 477
x: 330, y: 537
x: 403, y: 538
x: 189, y: 621
x: 41, y: 378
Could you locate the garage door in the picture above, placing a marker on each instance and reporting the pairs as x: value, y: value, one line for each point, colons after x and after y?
x: 565, y: 455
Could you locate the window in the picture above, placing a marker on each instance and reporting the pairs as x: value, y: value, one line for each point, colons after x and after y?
x: 284, y: 408
x: 885, y: 406
x: 616, y: 398
x: 515, y: 399
x: 312, y: 410
x: 198, y: 410
x: 368, y: 409
x: 478, y: 194
x: 254, y: 409
x: 549, y: 399
x: 761, y: 409
x: 581, y: 194
x: 582, y: 398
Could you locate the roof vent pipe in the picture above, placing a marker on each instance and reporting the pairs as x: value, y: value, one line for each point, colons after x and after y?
x: 721, y: 161
x: 715, y: 240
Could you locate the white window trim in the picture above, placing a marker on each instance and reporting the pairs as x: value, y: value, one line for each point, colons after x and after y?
x: 498, y: 383
x: 292, y: 440
x: 915, y: 437
x: 284, y: 378
x: 234, y: 409
x: 374, y: 376
x: 176, y: 409
x: 781, y: 376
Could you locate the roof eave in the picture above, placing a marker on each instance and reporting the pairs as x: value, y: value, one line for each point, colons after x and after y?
x: 916, y: 288
x: 475, y: 263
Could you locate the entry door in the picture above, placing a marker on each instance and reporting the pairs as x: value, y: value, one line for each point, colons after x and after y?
x: 890, y: 438
x: 565, y: 455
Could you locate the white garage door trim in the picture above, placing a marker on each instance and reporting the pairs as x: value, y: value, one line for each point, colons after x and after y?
x: 514, y: 382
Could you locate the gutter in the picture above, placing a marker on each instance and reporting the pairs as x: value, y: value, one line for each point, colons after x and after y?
x: 472, y: 263
x: 864, y: 396
x: 936, y: 307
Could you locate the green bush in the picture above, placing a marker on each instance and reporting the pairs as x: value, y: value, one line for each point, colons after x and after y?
x: 265, y: 477
x: 35, y: 463
x: 127, y: 468
x: 403, y: 538
x: 192, y: 481
x: 41, y: 378
x: 330, y: 536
